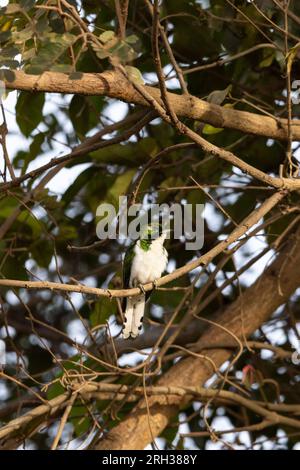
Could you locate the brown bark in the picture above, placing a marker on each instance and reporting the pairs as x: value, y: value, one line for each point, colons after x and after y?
x: 114, y: 85
x: 245, y: 315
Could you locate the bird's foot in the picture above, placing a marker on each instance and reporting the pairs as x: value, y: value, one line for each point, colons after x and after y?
x: 141, y: 287
x: 155, y: 286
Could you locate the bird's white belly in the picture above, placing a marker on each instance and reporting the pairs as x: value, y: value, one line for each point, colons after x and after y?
x: 148, y: 265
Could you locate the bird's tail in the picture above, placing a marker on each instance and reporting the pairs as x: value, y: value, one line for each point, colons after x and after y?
x: 134, y: 314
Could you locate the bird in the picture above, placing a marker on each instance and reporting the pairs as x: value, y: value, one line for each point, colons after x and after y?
x: 145, y: 261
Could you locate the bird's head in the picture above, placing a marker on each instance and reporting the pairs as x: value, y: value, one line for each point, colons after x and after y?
x: 153, y: 231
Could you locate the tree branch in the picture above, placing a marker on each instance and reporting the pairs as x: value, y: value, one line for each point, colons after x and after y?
x: 105, y: 391
x: 203, y: 260
x: 114, y: 85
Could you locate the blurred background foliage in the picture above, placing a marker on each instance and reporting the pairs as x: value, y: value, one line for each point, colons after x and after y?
x: 51, y: 233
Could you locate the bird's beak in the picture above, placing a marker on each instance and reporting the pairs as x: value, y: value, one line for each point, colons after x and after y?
x: 167, y: 231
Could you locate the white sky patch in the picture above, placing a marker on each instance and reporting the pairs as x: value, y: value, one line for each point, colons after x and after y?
x: 134, y: 358
x: 116, y: 111
x: 6, y: 331
x: 76, y: 331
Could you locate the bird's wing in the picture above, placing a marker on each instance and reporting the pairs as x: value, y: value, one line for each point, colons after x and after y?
x: 127, y: 263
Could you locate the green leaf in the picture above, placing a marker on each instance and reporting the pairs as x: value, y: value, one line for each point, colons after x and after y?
x: 8, y: 205
x: 132, y: 39
x: 134, y: 74
x: 103, y: 309
x: 20, y: 37
x: 66, y: 232
x: 107, y: 36
x: 55, y: 390
x: 170, y: 182
x: 132, y: 155
x: 119, y: 187
x: 27, y: 4
x: 34, y: 224
x: 13, y: 268
x: 4, y: 36
x: 194, y: 197
x: 171, y: 301
x: 102, y: 53
x: 35, y: 147
x: 79, y: 183
x: 84, y: 113
x: 114, y: 47
x: 9, y: 75
x: 9, y: 51
x: 291, y: 56
x: 209, y: 130
x: 49, y: 52
x: 28, y: 54
x: 218, y: 96
x: 12, y: 8
x: 170, y: 433
x: 280, y: 59
x: 80, y: 421
x: 275, y: 229
x: 29, y: 111
x: 123, y: 51
x: 75, y: 75
x: 9, y: 63
x: 268, y: 59
x: 42, y: 25
x: 62, y: 68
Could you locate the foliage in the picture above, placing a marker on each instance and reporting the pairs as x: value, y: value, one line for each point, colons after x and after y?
x: 48, y: 228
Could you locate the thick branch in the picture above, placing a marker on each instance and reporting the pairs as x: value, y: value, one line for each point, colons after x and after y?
x: 106, y: 391
x: 114, y: 85
x: 33, y: 418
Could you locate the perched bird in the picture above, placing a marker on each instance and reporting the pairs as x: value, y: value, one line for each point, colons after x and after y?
x: 145, y: 261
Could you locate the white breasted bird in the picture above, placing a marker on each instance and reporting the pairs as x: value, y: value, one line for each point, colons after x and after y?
x: 145, y: 261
